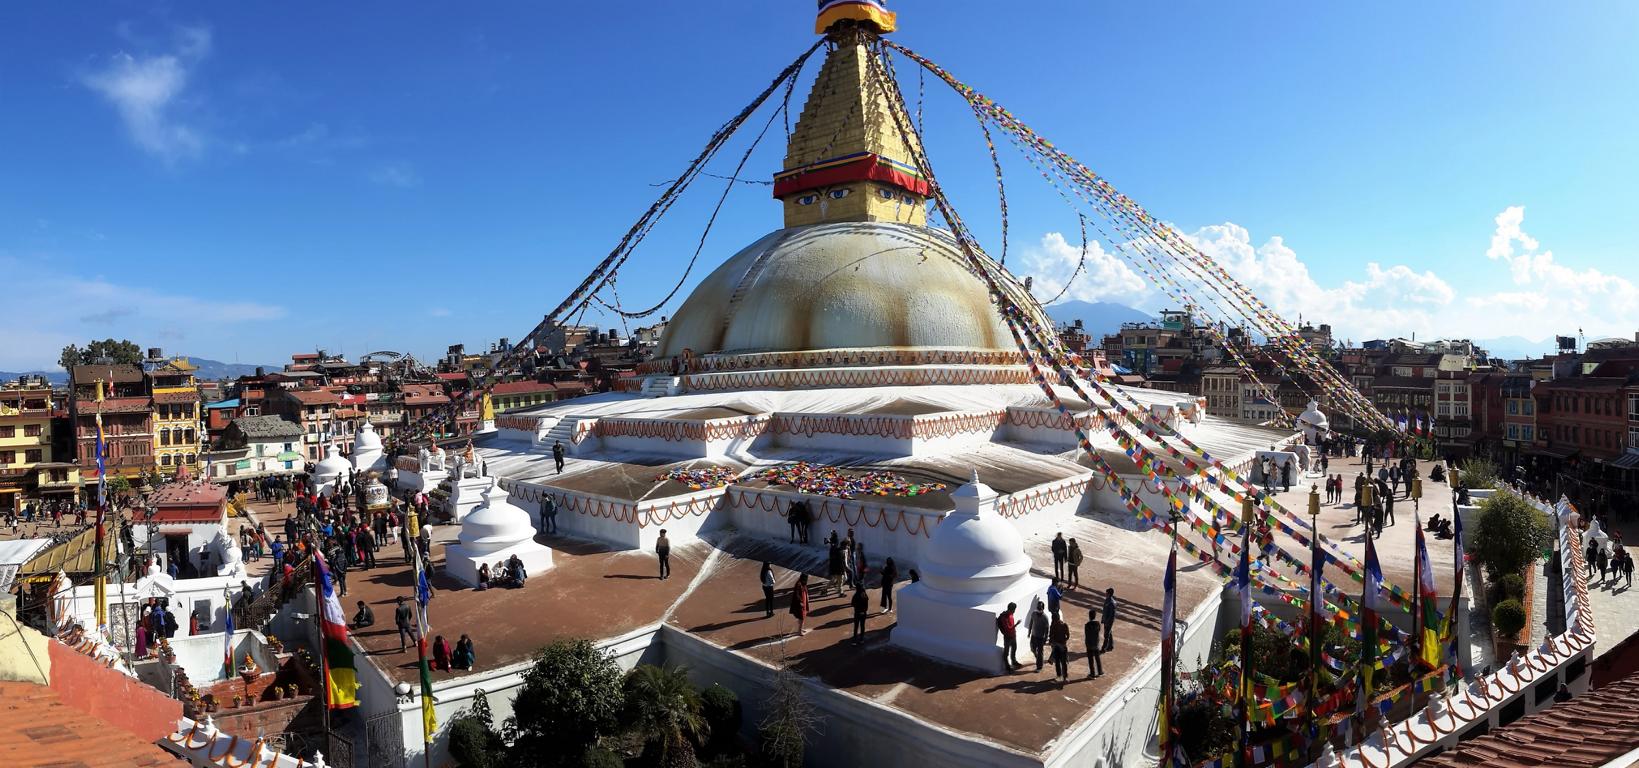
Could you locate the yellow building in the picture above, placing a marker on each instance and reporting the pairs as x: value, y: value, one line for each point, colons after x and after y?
x: 28, y: 470
x: 177, y: 426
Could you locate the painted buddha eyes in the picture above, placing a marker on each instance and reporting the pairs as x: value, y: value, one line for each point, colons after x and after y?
x: 838, y: 194
x: 807, y: 199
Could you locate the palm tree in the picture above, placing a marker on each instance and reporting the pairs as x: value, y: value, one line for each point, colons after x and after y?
x: 665, y: 708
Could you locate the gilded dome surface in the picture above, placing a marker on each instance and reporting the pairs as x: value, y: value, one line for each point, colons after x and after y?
x: 845, y: 285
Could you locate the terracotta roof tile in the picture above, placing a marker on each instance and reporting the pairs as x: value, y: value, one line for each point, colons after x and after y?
x: 1585, y: 732
x: 37, y: 729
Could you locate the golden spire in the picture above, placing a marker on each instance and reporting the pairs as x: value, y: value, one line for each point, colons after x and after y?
x: 848, y: 158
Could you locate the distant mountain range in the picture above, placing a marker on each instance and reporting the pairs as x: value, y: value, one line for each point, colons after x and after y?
x: 209, y: 370
x: 1515, y: 347
x: 1097, y: 317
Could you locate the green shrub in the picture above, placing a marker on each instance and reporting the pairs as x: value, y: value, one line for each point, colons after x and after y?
x: 721, y: 708
x: 1508, y: 535
x: 474, y: 746
x: 598, y: 757
x: 1477, y: 473
x: 1513, y: 586
x: 1508, y: 618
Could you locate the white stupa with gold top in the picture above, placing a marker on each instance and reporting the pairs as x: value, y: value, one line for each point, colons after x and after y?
x: 854, y: 339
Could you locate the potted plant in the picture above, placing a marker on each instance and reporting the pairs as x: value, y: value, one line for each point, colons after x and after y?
x: 210, y: 703
x: 238, y: 701
x: 292, y: 691
x: 275, y: 644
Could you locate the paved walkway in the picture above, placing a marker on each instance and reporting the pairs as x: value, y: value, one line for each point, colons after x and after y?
x: 1615, y: 604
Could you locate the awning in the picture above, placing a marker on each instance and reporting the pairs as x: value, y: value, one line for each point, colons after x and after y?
x: 1627, y: 460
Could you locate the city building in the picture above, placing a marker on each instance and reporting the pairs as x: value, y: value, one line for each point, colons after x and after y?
x: 177, y: 429
x: 314, y: 412
x: 126, y: 410
x: 1223, y: 388
x: 257, y: 446
x: 29, y: 467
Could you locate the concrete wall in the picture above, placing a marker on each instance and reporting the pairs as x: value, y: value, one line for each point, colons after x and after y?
x: 201, y: 655
x: 185, y: 596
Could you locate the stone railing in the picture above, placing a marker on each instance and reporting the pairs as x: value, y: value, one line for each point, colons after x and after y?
x: 1525, y: 683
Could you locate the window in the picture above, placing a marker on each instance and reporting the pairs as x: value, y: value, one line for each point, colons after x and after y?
x: 31, y: 430
x: 1513, y: 407
x: 8, y: 431
x: 165, y: 460
x: 1633, y: 437
x: 1513, y: 431
x: 1528, y: 407
x: 1525, y: 433
x: 6, y: 457
x: 32, y: 456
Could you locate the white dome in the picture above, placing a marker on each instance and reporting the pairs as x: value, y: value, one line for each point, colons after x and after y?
x: 974, y: 550
x: 1313, y: 417
x: 842, y: 286
x: 367, y: 439
x: 496, y: 524
x: 333, y: 466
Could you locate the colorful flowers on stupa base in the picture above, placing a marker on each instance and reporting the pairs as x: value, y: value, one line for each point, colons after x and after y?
x: 700, y: 478
x: 831, y: 481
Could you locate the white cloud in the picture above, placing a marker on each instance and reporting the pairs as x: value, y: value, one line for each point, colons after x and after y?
x: 1557, y: 294
x: 1104, y: 277
x: 145, y: 91
x: 102, y: 308
x: 401, y: 175
x: 1385, y: 300
x: 438, y: 312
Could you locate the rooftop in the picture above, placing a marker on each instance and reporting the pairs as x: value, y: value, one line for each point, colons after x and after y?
x: 267, y: 427
x: 40, y: 730
x: 1589, y: 731
x: 314, y: 396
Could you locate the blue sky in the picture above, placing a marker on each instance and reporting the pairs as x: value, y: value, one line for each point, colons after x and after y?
x: 245, y: 181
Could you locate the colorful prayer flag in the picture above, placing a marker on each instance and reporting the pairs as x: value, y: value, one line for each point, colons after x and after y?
x: 341, y: 677
x: 1243, y: 584
x: 1164, y: 730
x: 227, y: 638
x: 1369, y: 588
x: 1428, y: 615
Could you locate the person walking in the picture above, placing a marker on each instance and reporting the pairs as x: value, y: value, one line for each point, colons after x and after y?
x: 799, y: 602
x: 1054, y: 595
x: 1072, y: 561
x: 1286, y: 475
x: 1108, y: 619
x: 834, y: 565
x: 1095, y: 649
x: 792, y: 520
x: 549, y: 513
x: 847, y: 562
x: 890, y: 572
x: 1058, y: 636
x: 1386, y: 499
x: 557, y: 454
x: 404, y: 618
x: 1061, y: 552
x: 1036, y: 628
x: 862, y: 604
x: 766, y: 578
x: 1008, y: 626
x: 663, y: 553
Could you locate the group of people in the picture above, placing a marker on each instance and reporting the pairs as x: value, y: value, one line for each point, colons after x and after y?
x: 847, y: 569
x: 507, y: 573
x: 1049, y: 633
x: 1615, y: 564
x: 1276, y: 473
x: 38, y: 511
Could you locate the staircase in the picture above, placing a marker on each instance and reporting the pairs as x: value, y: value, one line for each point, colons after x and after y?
x: 261, y: 609
x: 564, y: 432
x: 660, y: 386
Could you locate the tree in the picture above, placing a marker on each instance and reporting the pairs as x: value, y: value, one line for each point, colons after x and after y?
x: 473, y: 740
x: 123, y: 351
x: 790, y: 720
x: 665, y: 708
x: 1477, y: 473
x: 570, y: 699
x: 1508, y: 617
x: 1508, y: 535
x: 721, y: 708
x: 118, y: 486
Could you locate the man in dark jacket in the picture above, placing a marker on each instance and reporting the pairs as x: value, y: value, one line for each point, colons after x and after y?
x: 1109, y: 619
x: 1095, y: 649
x: 663, y: 552
x: 405, y: 619
x: 1009, y: 629
x: 1061, y: 550
x: 862, y: 604
x: 365, y: 617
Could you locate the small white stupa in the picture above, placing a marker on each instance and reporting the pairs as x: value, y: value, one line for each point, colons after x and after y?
x: 331, y: 471
x: 975, y: 565
x: 1314, y: 424
x: 367, y: 453
x: 492, y: 534
x: 233, y: 560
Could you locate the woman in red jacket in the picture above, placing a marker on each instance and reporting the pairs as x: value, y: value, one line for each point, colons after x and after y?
x: 799, y: 602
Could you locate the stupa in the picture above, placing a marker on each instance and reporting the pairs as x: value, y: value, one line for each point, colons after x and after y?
x: 1313, y: 423
x: 368, y: 455
x: 972, y: 568
x: 330, y: 471
x: 492, y: 534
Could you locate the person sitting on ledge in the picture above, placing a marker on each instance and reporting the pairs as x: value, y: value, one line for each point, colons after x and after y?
x: 483, y: 576
x: 1433, y: 523
x: 515, y: 572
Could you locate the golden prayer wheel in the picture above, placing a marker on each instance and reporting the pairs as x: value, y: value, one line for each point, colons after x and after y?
x: 1314, y: 501
x: 1416, y: 487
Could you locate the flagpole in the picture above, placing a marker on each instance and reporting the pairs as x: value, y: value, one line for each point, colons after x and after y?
x: 1244, y: 577
x: 318, y: 625
x: 1316, y: 610
x: 417, y: 572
